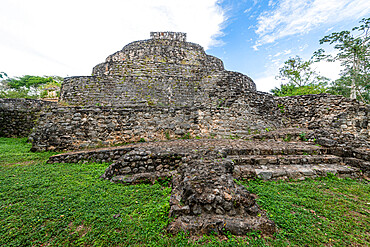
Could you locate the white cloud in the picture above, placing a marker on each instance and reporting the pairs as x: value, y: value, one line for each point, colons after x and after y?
x: 285, y: 52
x: 330, y: 70
x: 265, y: 84
x: 247, y: 10
x: 70, y: 37
x: 292, y: 17
x: 303, y: 47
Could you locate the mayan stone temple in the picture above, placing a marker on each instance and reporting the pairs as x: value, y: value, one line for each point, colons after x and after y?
x: 164, y: 109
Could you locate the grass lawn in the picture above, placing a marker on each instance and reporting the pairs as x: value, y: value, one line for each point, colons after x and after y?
x: 68, y: 205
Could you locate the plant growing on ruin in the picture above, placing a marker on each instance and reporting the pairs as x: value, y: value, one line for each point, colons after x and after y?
x: 167, y: 134
x: 302, y: 136
x: 282, y: 108
x: 288, y: 137
x: 234, y: 137
x: 186, y: 136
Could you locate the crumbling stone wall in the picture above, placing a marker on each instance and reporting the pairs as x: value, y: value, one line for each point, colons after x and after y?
x: 166, y: 87
x: 168, y: 35
x: 231, y: 115
x: 79, y: 127
x: 168, y: 90
x: 18, y: 116
x: 317, y: 111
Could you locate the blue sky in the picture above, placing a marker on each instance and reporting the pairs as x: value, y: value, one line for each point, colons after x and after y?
x: 254, y: 37
x: 260, y: 35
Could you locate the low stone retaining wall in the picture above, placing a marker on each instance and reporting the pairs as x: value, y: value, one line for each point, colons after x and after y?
x: 19, y: 116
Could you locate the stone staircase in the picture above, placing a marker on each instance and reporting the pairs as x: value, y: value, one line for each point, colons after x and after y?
x: 267, y: 160
x: 303, y: 159
x: 273, y: 167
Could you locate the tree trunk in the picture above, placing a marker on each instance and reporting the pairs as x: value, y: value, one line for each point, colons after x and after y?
x: 353, y: 85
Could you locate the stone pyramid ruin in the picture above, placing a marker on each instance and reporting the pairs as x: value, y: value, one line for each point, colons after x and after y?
x: 164, y: 109
x: 164, y: 70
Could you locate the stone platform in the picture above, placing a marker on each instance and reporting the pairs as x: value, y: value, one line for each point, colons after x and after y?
x: 206, y: 196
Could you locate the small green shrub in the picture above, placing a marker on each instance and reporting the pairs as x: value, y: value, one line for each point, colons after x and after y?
x: 234, y: 137
x: 302, y: 136
x: 167, y: 134
x: 288, y: 137
x: 282, y: 108
x: 186, y: 136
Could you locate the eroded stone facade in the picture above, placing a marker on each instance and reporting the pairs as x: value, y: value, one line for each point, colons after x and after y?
x: 165, y: 70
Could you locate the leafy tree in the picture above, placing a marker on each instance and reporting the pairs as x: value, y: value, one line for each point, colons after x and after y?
x: 291, y: 89
x: 353, y: 49
x: 298, y: 72
x: 27, y: 86
x: 3, y: 75
x: 53, y: 86
x: 28, y: 81
x: 300, y: 79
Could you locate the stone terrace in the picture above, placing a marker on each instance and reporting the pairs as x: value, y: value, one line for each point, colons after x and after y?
x: 205, y: 196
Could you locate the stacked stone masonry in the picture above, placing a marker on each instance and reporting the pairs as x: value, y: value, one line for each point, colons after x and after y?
x: 168, y: 35
x: 159, y: 71
x: 76, y: 127
x: 19, y: 116
x: 165, y: 88
x: 66, y: 128
x: 326, y: 111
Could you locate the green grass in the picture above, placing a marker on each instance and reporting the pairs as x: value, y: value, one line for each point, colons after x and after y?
x: 16, y: 150
x: 327, y: 211
x: 68, y: 205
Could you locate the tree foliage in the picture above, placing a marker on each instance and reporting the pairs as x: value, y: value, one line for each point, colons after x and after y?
x: 300, y: 79
x: 28, y: 86
x: 27, y: 81
x: 298, y: 72
x: 3, y: 75
x: 291, y: 89
x: 353, y: 51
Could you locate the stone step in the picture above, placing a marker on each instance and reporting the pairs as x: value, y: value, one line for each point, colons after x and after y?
x: 294, y: 171
x: 287, y: 134
x: 363, y: 165
x: 256, y: 160
x: 291, y: 149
